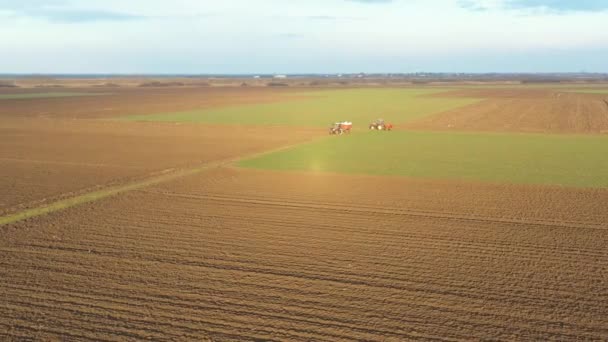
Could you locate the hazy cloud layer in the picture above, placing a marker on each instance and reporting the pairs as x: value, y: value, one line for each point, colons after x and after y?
x: 80, y: 16
x: 20, y: 4
x: 557, y: 6
x: 561, y: 5
x: 372, y: 1
x: 266, y: 36
x: 62, y: 11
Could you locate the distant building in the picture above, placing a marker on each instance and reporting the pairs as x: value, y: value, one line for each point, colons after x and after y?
x: 280, y: 76
x: 256, y: 76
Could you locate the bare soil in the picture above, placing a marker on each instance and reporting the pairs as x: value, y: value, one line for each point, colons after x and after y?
x: 51, y: 147
x: 523, y: 110
x: 233, y: 254
x: 256, y: 255
x: 124, y: 101
x: 43, y: 160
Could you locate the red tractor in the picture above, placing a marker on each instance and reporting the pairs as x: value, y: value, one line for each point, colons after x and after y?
x: 380, y: 125
x: 340, y: 128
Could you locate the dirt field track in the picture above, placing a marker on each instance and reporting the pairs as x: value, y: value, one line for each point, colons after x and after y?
x: 252, y: 255
x: 528, y: 110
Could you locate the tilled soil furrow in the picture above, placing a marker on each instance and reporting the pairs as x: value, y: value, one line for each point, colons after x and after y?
x: 248, y: 256
x: 321, y: 203
x: 539, y: 322
x: 400, y: 212
x: 184, y: 312
x: 180, y: 306
x: 595, y: 297
x: 485, y: 325
x: 262, y: 211
x: 258, y: 259
x: 181, y: 328
x: 557, y: 112
x: 386, y: 230
x: 523, y: 250
x: 240, y: 251
x: 236, y: 265
x: 420, y: 294
x: 323, y: 329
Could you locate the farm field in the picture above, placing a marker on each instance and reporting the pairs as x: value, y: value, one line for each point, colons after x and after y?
x: 533, y: 110
x: 505, y: 158
x: 240, y: 255
x: 127, y: 101
x: 25, y: 96
x: 358, y: 105
x: 238, y: 218
x: 45, y: 161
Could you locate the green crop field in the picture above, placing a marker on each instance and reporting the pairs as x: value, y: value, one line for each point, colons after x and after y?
x: 26, y: 96
x: 321, y: 108
x: 578, y: 161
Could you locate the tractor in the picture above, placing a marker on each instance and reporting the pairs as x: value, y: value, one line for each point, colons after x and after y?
x: 380, y: 125
x: 339, y: 128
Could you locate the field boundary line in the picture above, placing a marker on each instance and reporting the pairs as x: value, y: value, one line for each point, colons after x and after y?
x: 113, y: 190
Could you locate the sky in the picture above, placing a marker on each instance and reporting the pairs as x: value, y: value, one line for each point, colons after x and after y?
x: 302, y: 36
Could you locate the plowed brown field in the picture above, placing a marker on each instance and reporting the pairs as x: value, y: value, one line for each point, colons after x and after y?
x: 246, y: 255
x: 43, y: 160
x: 231, y: 254
x: 119, y: 101
x: 524, y: 110
x: 49, y: 151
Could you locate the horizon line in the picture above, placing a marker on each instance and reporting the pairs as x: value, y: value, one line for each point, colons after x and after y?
x: 305, y: 73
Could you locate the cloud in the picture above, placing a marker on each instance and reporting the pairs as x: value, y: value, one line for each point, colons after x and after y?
x: 554, y: 6
x: 323, y: 17
x: 61, y: 11
x: 331, y: 17
x: 23, y: 4
x: 560, y: 5
x: 372, y: 1
x: 79, y: 16
x: 297, y: 36
x: 472, y: 5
